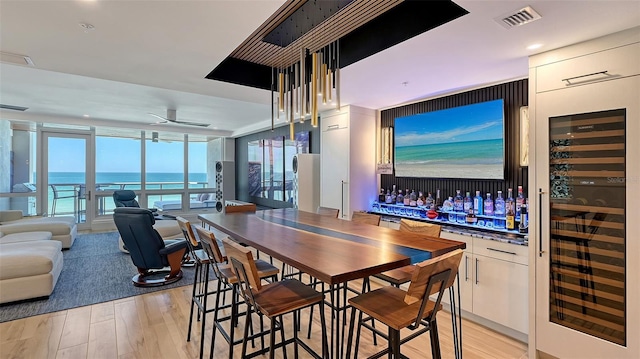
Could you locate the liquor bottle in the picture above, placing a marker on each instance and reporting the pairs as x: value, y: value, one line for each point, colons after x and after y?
x: 488, y: 206
x: 381, y: 197
x: 519, y: 202
x: 407, y: 198
x: 498, y: 211
x: 388, y: 199
x: 510, y: 218
x: 438, y: 203
x: 400, y: 197
x: 468, y: 202
x: 413, y: 199
x: 420, y: 201
x: 478, y: 206
x: 447, y: 207
x: 393, y: 195
x: 510, y: 202
x: 471, y: 217
x: 429, y: 202
x: 523, y: 227
x: 458, y: 202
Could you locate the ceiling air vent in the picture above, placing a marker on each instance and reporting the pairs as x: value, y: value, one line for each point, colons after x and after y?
x: 15, y: 108
x: 520, y: 17
x: 15, y: 59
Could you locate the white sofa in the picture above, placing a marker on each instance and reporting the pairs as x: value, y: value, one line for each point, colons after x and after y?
x: 30, y: 265
x: 63, y: 229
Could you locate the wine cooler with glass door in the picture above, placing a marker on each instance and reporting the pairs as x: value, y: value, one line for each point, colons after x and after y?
x: 584, y: 222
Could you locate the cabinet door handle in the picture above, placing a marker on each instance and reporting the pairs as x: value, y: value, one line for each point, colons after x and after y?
x: 466, y: 272
x: 476, y: 270
x: 333, y: 127
x: 568, y: 79
x: 540, y: 193
x: 501, y: 251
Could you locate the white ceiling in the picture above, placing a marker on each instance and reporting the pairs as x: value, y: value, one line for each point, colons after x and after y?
x: 147, y: 56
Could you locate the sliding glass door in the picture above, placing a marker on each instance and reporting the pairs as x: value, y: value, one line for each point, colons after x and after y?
x: 68, y: 176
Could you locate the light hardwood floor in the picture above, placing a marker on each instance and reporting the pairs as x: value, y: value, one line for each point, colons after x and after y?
x: 154, y: 325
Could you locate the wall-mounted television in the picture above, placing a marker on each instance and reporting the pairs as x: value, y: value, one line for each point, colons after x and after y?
x: 458, y: 142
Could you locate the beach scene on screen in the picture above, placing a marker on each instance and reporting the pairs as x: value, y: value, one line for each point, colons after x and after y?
x: 460, y: 142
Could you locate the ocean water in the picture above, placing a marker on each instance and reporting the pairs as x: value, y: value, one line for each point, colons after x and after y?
x: 459, y: 153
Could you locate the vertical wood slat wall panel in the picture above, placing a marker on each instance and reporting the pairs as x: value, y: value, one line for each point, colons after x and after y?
x: 515, y: 95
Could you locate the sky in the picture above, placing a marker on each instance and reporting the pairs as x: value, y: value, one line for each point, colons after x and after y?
x: 481, y: 121
x: 123, y: 155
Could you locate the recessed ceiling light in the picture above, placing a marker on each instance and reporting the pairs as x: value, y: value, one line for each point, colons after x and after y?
x: 534, y: 46
x: 85, y: 115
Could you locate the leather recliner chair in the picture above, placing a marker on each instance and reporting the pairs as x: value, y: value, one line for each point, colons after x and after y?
x: 149, y: 252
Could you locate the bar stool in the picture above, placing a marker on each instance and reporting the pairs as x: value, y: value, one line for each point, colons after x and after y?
x: 397, y: 277
x: 273, y: 301
x: 200, y: 290
x: 364, y: 217
x: 410, y: 309
x: 227, y: 281
x: 329, y: 212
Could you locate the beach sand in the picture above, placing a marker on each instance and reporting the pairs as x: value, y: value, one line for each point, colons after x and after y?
x: 480, y: 171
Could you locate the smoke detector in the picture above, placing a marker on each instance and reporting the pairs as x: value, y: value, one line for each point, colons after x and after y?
x: 518, y: 18
x: 15, y: 59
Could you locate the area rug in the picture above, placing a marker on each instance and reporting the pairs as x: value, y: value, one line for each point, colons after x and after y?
x: 94, y: 271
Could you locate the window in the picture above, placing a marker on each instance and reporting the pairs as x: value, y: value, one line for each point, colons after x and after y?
x: 164, y: 161
x: 17, y: 168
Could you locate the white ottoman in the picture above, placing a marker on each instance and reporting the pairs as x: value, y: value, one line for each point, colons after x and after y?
x: 167, y: 229
x: 25, y: 236
x: 29, y: 270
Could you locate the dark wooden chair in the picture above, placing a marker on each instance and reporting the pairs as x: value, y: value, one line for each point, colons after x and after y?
x: 364, y: 217
x: 412, y: 309
x: 273, y: 300
x: 397, y: 277
x: 329, y: 212
x: 227, y: 281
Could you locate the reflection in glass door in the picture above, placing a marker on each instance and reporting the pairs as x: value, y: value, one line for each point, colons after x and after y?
x: 68, y: 185
x: 587, y: 218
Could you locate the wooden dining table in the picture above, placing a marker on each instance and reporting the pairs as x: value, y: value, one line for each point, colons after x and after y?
x: 334, y: 251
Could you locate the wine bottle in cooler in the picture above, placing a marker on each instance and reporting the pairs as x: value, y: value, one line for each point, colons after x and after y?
x: 400, y: 197
x: 407, y: 198
x: 413, y: 199
x: 438, y: 203
x: 420, y: 201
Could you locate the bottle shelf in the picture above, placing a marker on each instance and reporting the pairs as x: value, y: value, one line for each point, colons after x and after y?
x: 420, y: 212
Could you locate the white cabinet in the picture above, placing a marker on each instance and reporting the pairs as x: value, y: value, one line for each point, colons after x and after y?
x: 500, y: 292
x: 347, y: 160
x: 494, y: 281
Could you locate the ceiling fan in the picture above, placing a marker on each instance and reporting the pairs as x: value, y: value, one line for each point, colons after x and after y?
x: 171, y: 117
